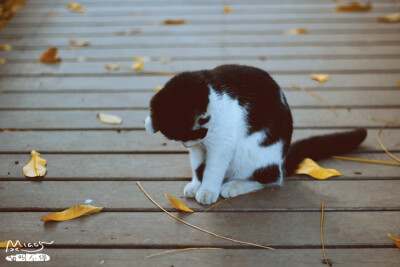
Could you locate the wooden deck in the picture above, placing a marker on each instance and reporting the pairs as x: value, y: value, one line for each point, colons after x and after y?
x: 54, y: 108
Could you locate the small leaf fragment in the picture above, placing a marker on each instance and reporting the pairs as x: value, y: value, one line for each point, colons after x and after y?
x: 2, y: 61
x: 353, y: 7
x: 10, y: 244
x: 75, y: 7
x: 296, y: 31
x: 71, y: 213
x: 174, y: 22
x: 113, y: 67
x: 138, y: 66
x: 5, y: 47
x: 227, y: 10
x: 311, y: 168
x: 321, y: 78
x: 36, y: 166
x: 396, y: 239
x: 109, y: 119
x: 50, y: 56
x: 178, y: 204
x: 158, y: 88
x: 79, y: 42
x: 389, y: 18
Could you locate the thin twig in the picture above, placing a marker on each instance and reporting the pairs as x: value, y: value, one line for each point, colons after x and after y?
x: 320, y: 98
x: 322, y: 234
x: 378, y: 138
x: 177, y: 250
x: 367, y: 160
x: 196, y: 227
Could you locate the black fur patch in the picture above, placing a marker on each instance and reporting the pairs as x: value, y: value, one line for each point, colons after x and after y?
x: 266, y: 175
x: 200, y: 171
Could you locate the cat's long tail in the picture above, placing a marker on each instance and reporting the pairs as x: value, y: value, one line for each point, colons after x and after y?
x: 323, y: 146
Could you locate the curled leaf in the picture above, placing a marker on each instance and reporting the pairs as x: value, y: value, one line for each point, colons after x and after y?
x: 227, y: 10
x: 10, y: 244
x: 2, y: 61
x: 75, y: 7
x: 5, y: 47
x: 113, y: 67
x: 389, y: 18
x: 178, y: 204
x: 396, y: 239
x: 311, y: 168
x: 158, y: 88
x: 109, y: 119
x: 78, y: 42
x: 50, y: 56
x: 174, y: 22
x: 36, y: 166
x: 71, y: 213
x: 296, y: 31
x: 321, y: 78
x: 353, y: 7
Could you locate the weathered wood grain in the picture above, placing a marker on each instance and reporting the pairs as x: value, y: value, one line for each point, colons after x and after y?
x: 126, y: 196
x: 134, y: 119
x: 157, y: 228
x: 140, y: 141
x: 154, y: 167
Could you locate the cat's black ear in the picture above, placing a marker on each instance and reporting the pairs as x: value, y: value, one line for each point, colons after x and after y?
x: 150, y: 127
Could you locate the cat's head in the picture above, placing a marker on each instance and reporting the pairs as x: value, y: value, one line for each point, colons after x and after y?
x: 179, y: 110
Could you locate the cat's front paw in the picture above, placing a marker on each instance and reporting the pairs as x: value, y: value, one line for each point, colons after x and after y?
x: 191, y: 189
x: 206, y: 196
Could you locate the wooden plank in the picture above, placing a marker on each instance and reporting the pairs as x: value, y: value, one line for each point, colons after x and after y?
x: 383, y: 257
x: 83, y: 101
x: 185, y: 53
x: 272, y: 66
x: 140, y: 141
x: 155, y: 167
x: 155, y: 229
x: 211, y: 40
x: 377, y: 81
x: 126, y: 196
x: 134, y: 119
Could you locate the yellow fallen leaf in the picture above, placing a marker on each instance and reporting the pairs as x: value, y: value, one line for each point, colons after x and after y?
x: 227, y: 10
x: 36, y: 166
x: 113, y: 67
x: 311, y: 168
x: 158, y: 88
x: 296, y: 31
x: 178, y: 204
x: 389, y: 18
x: 10, y: 244
x: 353, y: 7
x: 129, y: 32
x: 141, y: 59
x: 6, y: 47
x: 2, y: 61
x: 78, y: 42
x: 174, y: 22
x: 109, y: 119
x: 50, y: 56
x: 75, y: 7
x: 396, y: 239
x: 138, y: 66
x: 321, y: 78
x: 71, y: 213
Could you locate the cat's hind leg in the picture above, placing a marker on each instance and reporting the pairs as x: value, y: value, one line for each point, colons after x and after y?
x: 238, y: 187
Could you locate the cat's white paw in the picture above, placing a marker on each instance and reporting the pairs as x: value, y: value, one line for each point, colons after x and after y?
x: 206, y: 196
x: 231, y: 189
x: 191, y: 189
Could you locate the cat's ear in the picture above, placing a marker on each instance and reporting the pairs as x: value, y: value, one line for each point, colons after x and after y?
x: 150, y: 128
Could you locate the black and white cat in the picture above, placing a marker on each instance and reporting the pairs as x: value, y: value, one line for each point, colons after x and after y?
x: 238, y: 126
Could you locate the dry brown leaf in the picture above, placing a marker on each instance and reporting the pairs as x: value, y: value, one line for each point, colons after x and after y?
x: 6, y: 47
x: 71, y: 213
x: 75, y: 7
x: 353, y: 7
x: 10, y: 244
x: 52, y: 14
x: 178, y: 204
x: 36, y: 166
x: 113, y: 67
x: 321, y: 78
x: 158, y: 88
x: 78, y: 42
x: 174, y: 22
x: 50, y: 56
x: 109, y: 119
x: 129, y: 32
x: 227, y: 10
x: 2, y: 61
x: 396, y: 239
x: 389, y: 18
x: 296, y: 31
x: 311, y: 168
